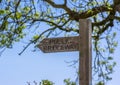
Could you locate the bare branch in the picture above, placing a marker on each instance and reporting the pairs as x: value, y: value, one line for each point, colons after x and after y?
x: 63, y: 6
x: 34, y: 41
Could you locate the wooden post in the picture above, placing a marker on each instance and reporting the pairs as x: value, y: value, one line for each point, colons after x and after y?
x: 85, y: 60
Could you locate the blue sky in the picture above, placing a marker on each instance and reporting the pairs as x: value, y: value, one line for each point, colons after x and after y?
x: 116, y: 74
x: 30, y: 66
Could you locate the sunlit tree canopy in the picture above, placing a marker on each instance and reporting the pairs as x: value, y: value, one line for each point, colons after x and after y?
x: 55, y: 17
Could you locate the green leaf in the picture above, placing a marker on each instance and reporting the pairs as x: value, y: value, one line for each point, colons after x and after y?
x: 115, y: 44
x: 3, y: 42
x: 103, y: 62
x: 26, y: 9
x: 35, y: 37
x: 47, y: 82
x: 110, y: 67
x: 93, y: 2
x: 18, y: 15
x: 100, y: 83
x: 110, y: 58
x: 2, y: 12
x: 108, y: 78
x: 68, y: 82
x: 89, y: 11
x: 114, y: 34
x: 12, y: 16
x: 109, y: 8
x: 111, y: 50
x: 37, y: 15
x: 96, y: 29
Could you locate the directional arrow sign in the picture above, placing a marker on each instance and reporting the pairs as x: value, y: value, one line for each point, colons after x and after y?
x: 61, y: 44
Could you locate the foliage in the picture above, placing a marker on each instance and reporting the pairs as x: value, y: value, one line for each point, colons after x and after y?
x: 100, y: 83
x: 68, y: 82
x: 43, y: 82
x: 47, y: 82
x: 20, y: 16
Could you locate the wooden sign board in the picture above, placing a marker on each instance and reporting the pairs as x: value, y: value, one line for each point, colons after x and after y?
x: 61, y: 44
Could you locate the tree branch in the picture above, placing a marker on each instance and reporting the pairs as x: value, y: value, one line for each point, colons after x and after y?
x: 63, y: 6
x: 33, y: 41
x: 56, y: 25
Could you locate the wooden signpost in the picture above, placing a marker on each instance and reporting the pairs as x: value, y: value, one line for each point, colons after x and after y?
x: 81, y: 43
x: 61, y: 44
x: 85, y: 59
